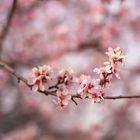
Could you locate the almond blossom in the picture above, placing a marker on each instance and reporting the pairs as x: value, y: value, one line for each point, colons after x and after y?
x: 104, y: 74
x: 96, y: 98
x: 110, y: 67
x: 87, y: 86
x: 62, y: 97
x: 115, y: 55
x: 41, y: 77
x: 65, y: 76
x: 103, y: 71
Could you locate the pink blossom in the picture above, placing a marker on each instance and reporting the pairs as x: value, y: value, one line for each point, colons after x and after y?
x: 103, y: 71
x: 110, y: 67
x: 87, y: 86
x: 115, y: 55
x: 97, y: 97
x: 90, y: 88
x: 85, y: 83
x: 65, y: 76
x: 62, y: 97
x: 41, y: 77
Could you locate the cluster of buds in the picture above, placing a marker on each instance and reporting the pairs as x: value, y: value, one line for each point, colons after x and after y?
x: 87, y: 86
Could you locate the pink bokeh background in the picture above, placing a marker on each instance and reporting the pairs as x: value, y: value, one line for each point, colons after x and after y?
x: 69, y: 33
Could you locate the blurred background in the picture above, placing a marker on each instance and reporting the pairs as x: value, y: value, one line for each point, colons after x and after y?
x: 68, y: 33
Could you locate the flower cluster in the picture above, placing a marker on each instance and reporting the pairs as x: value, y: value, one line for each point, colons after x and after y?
x: 94, y: 88
x: 65, y: 76
x: 41, y: 77
x: 87, y: 86
x: 62, y: 97
x: 115, y: 55
x: 110, y: 67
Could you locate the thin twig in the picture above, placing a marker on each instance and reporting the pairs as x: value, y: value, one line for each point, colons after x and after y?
x: 13, y: 72
x: 52, y: 93
x: 121, y: 97
x: 72, y: 98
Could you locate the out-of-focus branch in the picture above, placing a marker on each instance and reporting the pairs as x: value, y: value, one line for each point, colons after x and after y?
x: 13, y: 72
x: 21, y: 78
x: 7, y: 24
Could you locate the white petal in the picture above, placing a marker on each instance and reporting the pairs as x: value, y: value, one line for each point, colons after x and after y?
x: 68, y: 97
x: 35, y: 87
x: 34, y: 70
x: 65, y: 102
x: 42, y: 88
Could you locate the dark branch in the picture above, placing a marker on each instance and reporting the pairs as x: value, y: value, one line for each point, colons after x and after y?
x: 13, y: 72
x: 121, y: 97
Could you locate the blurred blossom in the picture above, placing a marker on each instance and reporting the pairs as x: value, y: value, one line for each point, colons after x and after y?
x: 62, y: 97
x: 41, y: 77
x: 70, y: 36
x: 3, y: 79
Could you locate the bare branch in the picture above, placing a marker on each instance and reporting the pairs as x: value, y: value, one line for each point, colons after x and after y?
x: 121, y: 97
x: 13, y: 72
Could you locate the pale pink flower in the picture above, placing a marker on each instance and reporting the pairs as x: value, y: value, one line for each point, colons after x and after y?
x: 65, y: 76
x: 87, y: 86
x: 103, y: 70
x: 116, y: 72
x: 62, y: 97
x: 97, y: 97
x: 104, y: 73
x: 115, y: 55
x: 84, y: 82
x: 41, y: 77
x: 90, y: 88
